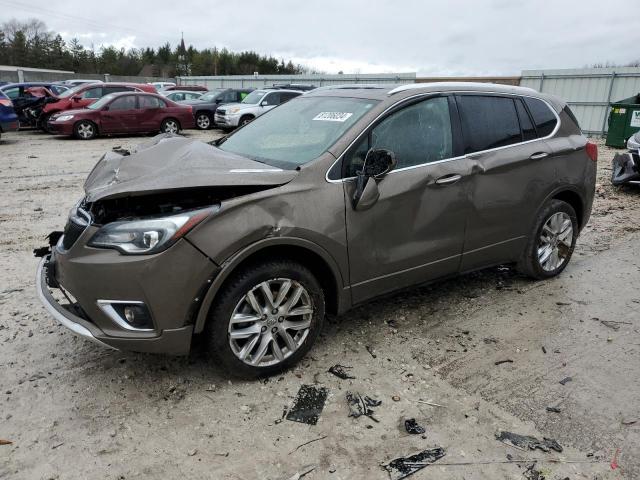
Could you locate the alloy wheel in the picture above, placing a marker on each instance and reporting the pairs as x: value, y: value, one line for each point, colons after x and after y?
x: 554, y: 244
x: 170, y: 126
x: 86, y: 130
x: 270, y: 322
x: 203, y: 121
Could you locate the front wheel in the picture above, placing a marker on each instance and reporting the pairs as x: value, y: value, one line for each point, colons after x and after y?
x: 203, y: 121
x: 170, y: 125
x: 266, y: 318
x: 552, y: 241
x: 85, y: 130
x: 244, y: 120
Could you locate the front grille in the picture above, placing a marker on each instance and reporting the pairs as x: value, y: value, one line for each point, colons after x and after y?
x: 221, y: 111
x: 77, y: 223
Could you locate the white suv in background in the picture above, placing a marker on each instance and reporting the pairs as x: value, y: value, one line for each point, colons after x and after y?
x: 255, y: 104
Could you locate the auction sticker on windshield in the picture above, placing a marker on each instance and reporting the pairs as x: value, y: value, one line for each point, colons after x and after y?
x: 332, y: 116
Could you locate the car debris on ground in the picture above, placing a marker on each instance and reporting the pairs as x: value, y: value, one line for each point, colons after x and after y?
x: 403, y: 467
x: 525, y: 442
x: 308, y: 404
x: 340, y: 371
x: 412, y: 427
x: 359, y: 405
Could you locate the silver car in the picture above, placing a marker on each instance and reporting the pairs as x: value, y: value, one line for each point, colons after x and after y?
x: 255, y: 104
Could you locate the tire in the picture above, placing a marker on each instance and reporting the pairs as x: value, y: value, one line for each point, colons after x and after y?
x: 204, y: 121
x: 228, y: 341
x: 244, y: 120
x: 43, y: 123
x: 85, y: 130
x: 170, y: 125
x: 550, y: 244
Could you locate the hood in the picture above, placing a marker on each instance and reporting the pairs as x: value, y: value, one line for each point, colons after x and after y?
x: 171, y: 162
x: 242, y: 106
x: 195, y: 101
x: 76, y: 111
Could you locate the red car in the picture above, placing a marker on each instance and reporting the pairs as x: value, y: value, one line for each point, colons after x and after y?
x: 186, y: 88
x: 123, y: 113
x: 84, y: 95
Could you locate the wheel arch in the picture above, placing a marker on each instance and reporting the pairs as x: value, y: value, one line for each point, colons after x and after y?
x: 574, y: 199
x: 314, y: 257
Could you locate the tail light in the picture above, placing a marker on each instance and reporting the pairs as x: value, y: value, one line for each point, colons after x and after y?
x: 592, y: 151
x: 5, y: 102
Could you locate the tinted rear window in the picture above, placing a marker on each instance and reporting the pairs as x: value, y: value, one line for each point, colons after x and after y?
x: 488, y: 122
x: 542, y: 115
x: 570, y: 114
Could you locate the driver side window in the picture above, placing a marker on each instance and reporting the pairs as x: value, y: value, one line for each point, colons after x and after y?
x: 417, y: 134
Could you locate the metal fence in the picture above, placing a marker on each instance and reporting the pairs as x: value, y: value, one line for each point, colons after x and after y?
x: 261, y: 81
x: 42, y: 75
x: 588, y: 91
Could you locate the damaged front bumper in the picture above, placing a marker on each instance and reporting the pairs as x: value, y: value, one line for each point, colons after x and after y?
x: 626, y: 168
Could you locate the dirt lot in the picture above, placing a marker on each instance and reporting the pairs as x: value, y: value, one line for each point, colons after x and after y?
x: 73, y: 410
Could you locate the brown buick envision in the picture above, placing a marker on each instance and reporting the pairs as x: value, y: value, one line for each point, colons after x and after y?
x: 334, y: 198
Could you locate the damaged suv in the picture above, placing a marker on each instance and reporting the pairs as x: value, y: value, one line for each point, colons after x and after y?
x: 334, y: 198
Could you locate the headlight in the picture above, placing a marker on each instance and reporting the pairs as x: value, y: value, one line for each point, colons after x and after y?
x: 634, y: 142
x: 63, y: 118
x: 145, y: 236
x: 234, y: 110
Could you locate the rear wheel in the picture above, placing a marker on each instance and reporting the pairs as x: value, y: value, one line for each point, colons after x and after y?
x: 551, y: 242
x: 170, y: 125
x: 85, y: 130
x: 203, y: 121
x: 266, y: 318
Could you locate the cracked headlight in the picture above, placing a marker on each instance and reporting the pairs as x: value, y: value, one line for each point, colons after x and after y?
x: 146, y: 236
x: 63, y: 118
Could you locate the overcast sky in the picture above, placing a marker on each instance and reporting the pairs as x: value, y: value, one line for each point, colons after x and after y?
x: 448, y: 37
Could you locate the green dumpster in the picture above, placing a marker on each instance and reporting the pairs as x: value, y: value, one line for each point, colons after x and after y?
x: 624, y: 121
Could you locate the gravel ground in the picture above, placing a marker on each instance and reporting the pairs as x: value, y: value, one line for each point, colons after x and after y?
x: 73, y: 410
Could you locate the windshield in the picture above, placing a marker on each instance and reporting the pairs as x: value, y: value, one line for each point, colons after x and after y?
x: 211, y: 96
x: 97, y: 105
x: 297, y: 131
x: 71, y: 91
x: 254, y: 97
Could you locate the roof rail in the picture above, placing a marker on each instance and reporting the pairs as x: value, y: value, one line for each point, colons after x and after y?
x: 415, y: 86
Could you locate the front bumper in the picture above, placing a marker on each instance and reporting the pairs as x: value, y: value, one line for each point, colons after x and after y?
x: 60, y: 128
x: 626, y: 168
x: 227, y: 120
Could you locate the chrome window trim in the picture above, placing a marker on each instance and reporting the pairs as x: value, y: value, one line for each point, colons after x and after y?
x: 428, y: 94
x: 105, y: 306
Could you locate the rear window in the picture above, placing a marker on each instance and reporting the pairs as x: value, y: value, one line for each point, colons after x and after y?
x: 488, y: 122
x: 528, y: 130
x: 542, y: 115
x: 570, y: 114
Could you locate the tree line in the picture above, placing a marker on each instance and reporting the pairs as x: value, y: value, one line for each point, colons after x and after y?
x: 32, y: 44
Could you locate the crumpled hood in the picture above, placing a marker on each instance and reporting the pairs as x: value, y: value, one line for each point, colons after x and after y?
x: 171, y: 162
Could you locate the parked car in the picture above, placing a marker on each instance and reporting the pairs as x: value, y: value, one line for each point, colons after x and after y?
x: 333, y: 199
x: 204, y: 108
x: 18, y: 90
x: 74, y: 82
x: 123, y: 113
x: 180, y: 95
x: 29, y: 105
x: 626, y: 166
x: 85, y: 94
x: 255, y: 104
x: 8, y: 117
x: 162, y: 85
x: 188, y: 88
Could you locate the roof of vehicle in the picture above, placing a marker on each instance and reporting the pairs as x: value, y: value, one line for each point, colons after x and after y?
x: 26, y: 84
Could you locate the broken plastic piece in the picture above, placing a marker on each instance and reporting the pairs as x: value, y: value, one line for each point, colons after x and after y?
x: 308, y: 404
x: 412, y: 427
x: 528, y: 443
x: 339, y: 371
x: 565, y: 380
x: 402, y: 467
x: 626, y: 168
x: 359, y: 405
x: 553, y: 410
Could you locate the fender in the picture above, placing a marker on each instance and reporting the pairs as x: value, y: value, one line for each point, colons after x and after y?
x: 565, y: 188
x: 229, y: 266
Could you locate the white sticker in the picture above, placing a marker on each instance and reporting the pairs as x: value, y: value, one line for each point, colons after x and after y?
x: 332, y: 116
x: 635, y: 118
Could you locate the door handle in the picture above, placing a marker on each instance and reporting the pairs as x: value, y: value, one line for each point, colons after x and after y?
x: 539, y: 155
x: 448, y: 179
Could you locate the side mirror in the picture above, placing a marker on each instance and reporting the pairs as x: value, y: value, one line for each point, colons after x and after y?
x: 377, y: 164
x: 264, y: 103
x: 105, y: 108
x: 218, y: 100
x: 75, y: 98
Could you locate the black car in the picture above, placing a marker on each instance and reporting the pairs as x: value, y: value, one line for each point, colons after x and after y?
x: 204, y: 108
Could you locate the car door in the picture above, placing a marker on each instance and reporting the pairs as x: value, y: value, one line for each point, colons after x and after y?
x: 515, y: 169
x: 415, y: 230
x: 150, y: 110
x: 120, y: 116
